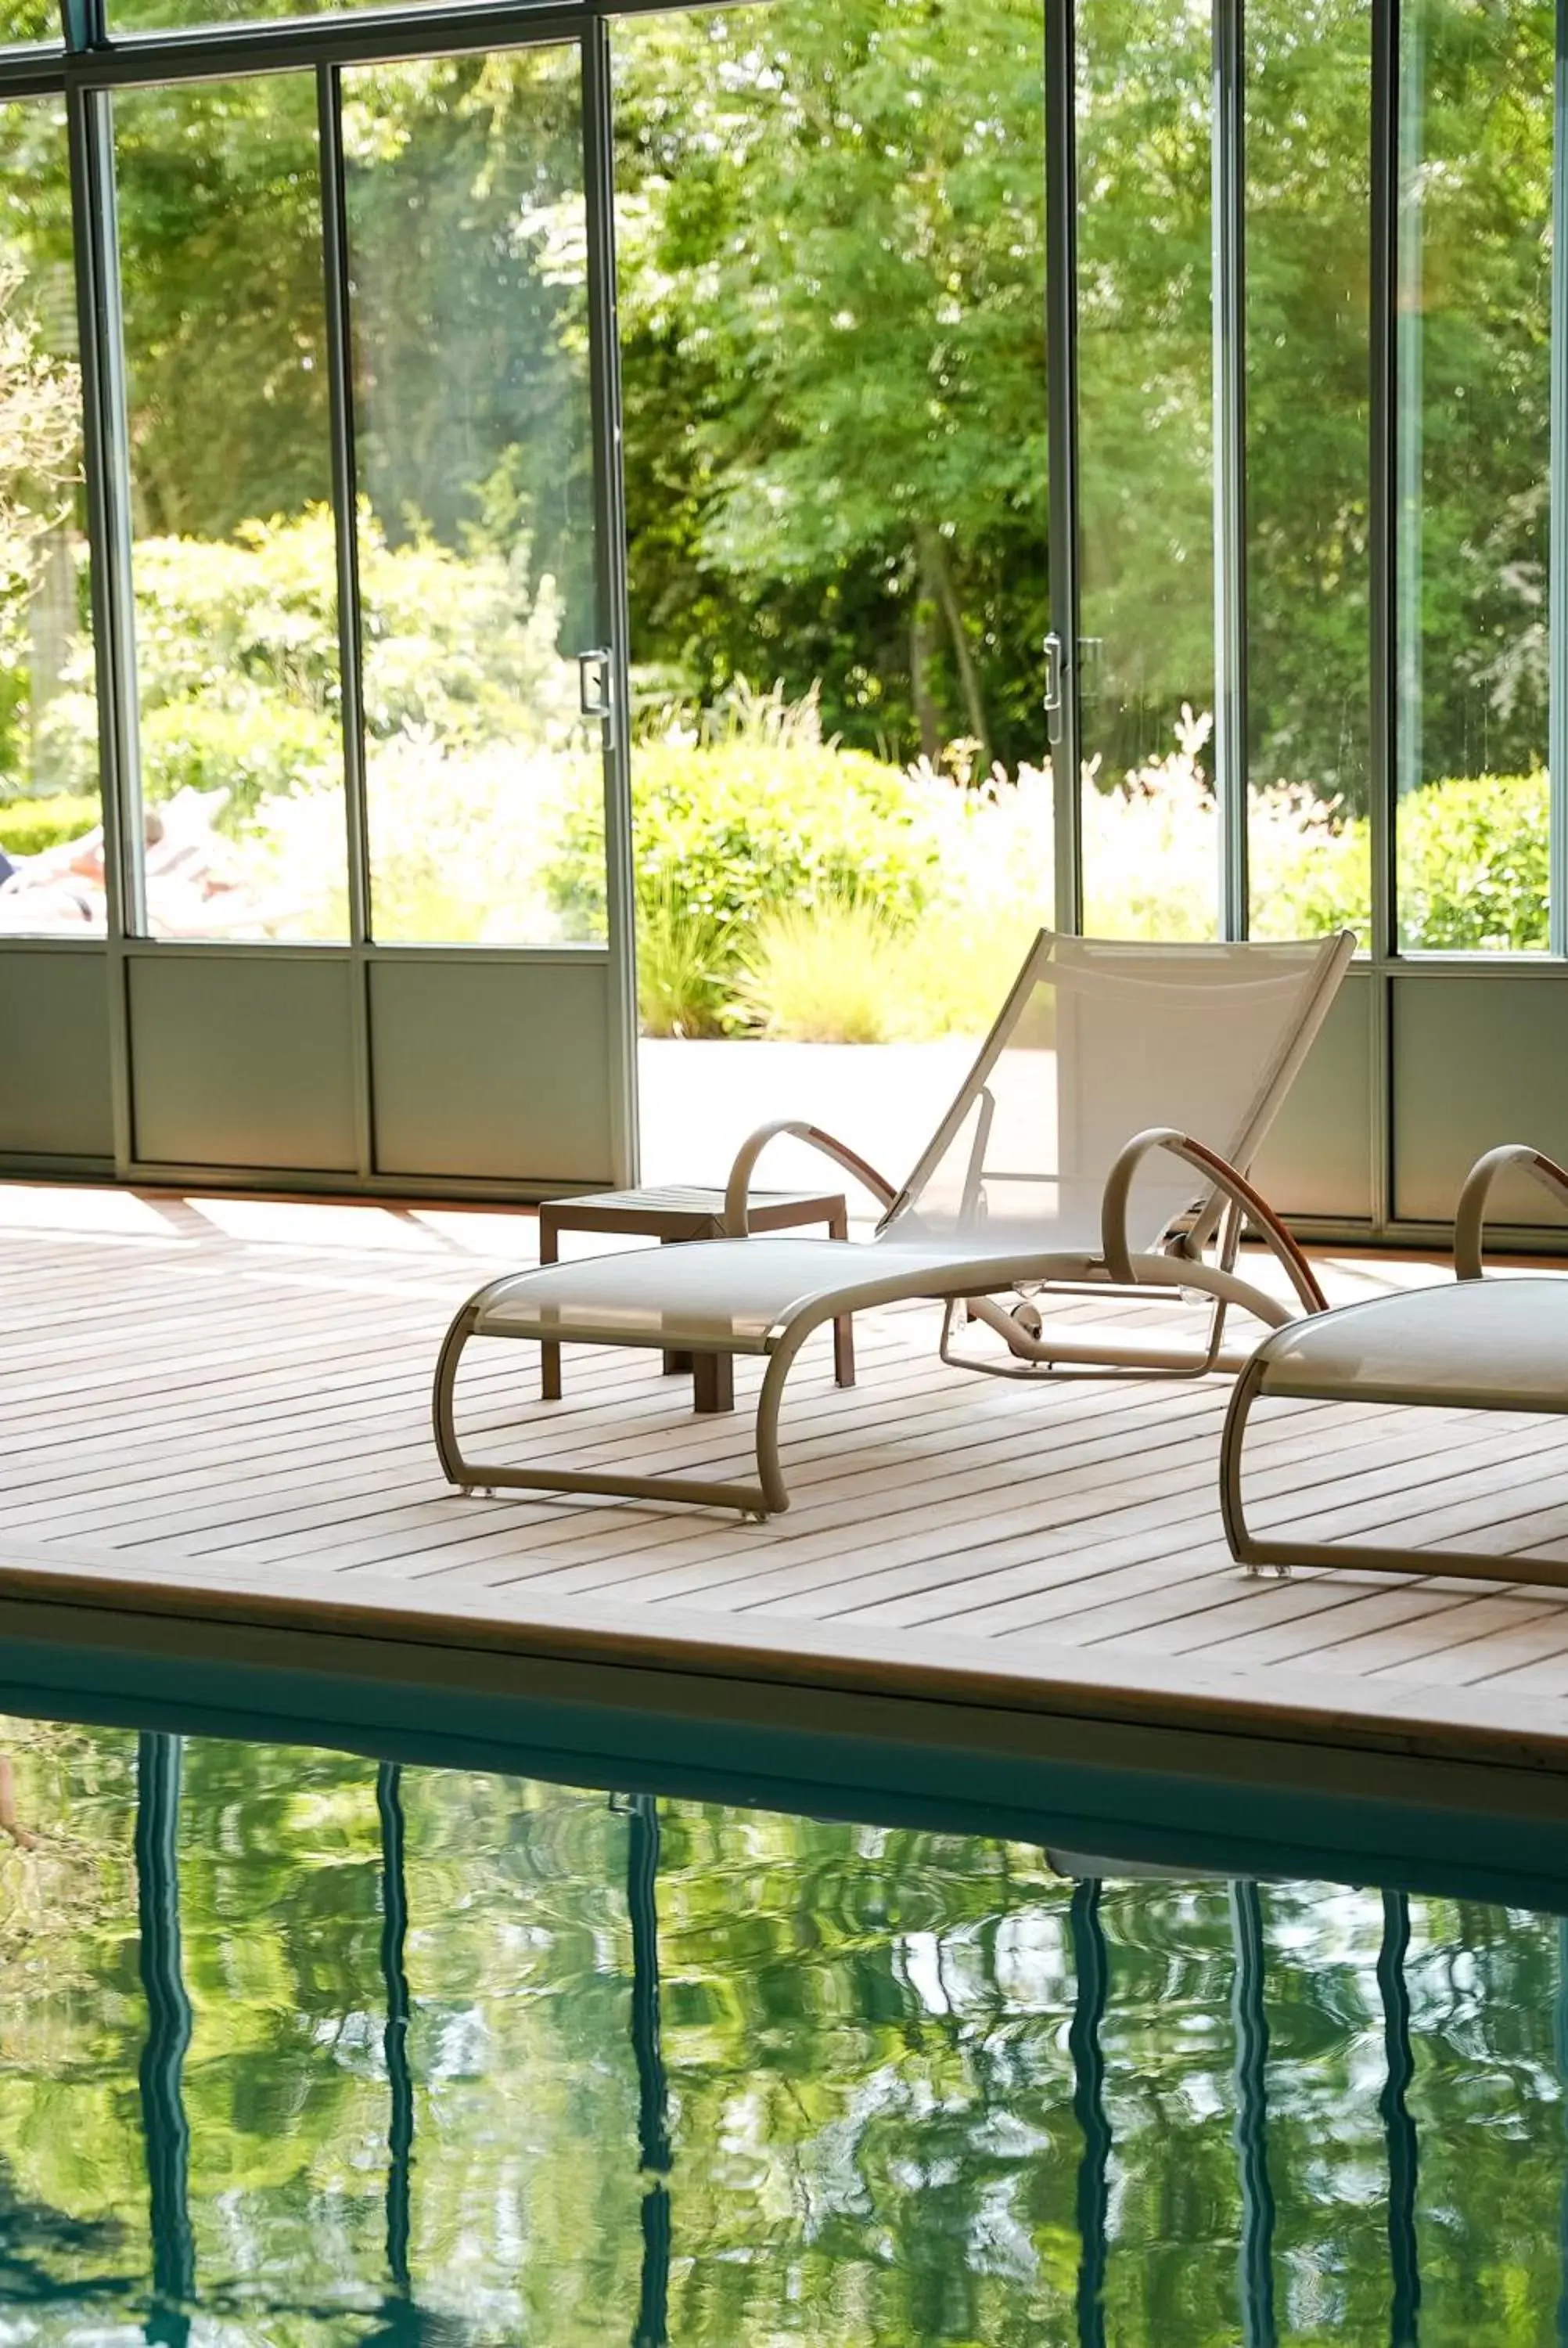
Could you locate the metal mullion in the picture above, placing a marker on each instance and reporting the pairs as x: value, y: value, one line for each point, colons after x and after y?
x: 344, y: 489
x: 1382, y: 763
x: 349, y: 629
x: 32, y: 74
x: 106, y: 461
x: 609, y: 576
x: 371, y: 36
x: 106, y: 466
x: 83, y: 24
x: 1061, y: 395
x: 1228, y: 312
x: 1557, y: 556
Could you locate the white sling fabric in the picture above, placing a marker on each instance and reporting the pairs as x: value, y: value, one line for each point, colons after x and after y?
x: 1097, y: 1040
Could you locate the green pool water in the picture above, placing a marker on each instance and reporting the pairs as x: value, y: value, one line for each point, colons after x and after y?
x: 300, y: 2047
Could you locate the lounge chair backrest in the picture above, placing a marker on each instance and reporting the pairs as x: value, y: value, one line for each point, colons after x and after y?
x: 1097, y: 1040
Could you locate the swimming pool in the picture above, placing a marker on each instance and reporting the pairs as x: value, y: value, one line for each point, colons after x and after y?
x: 301, y: 2045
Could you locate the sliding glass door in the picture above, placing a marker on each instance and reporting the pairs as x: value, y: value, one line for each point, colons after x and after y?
x: 353, y: 435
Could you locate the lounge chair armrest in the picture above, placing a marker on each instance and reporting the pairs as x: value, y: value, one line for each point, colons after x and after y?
x: 1469, y: 1216
x: 1224, y: 1178
x: 737, y: 1223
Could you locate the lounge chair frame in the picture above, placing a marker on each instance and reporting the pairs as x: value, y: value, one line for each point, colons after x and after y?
x: 769, y: 1496
x: 1281, y: 1556
x: 1227, y: 1200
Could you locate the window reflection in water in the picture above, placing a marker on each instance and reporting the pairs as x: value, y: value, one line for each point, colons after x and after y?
x: 378, y: 2053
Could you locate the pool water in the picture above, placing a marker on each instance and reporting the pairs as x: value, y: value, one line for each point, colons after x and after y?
x: 296, y: 2047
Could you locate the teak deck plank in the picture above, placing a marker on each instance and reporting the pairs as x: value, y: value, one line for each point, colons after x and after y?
x: 201, y: 1415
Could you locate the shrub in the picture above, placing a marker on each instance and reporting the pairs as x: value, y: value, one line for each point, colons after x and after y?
x: 1474, y: 863
x: 456, y: 842
x: 685, y: 969
x: 262, y: 750
x: 238, y: 670
x: 739, y: 827
x: 839, y: 973
x: 832, y: 972
x: 27, y: 827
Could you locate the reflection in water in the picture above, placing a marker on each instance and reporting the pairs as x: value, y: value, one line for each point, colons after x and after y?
x: 1403, y: 2261
x: 1560, y: 2048
x: 395, y: 2039
x: 165, y: 2129
x: 1092, y: 1969
x: 676, y: 2073
x: 1251, y: 2024
x: 652, y: 2087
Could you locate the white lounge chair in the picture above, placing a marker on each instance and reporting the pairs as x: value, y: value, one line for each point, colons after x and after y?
x: 1030, y: 1183
x: 1479, y: 1344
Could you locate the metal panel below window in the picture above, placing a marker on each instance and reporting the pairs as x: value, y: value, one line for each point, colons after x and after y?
x: 243, y: 1061
x: 1318, y: 1160
x: 1476, y: 1061
x: 493, y: 1068
x: 55, y: 1099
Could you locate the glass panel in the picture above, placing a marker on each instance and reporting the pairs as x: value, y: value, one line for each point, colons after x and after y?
x: 51, y: 843
x: 469, y: 268
x: 831, y: 238
x: 30, y: 20
x: 1151, y: 845
x: 1308, y: 143
x: 234, y: 563
x: 1474, y: 439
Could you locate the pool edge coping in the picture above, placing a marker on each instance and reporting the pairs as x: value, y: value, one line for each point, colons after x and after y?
x: 1411, y: 1719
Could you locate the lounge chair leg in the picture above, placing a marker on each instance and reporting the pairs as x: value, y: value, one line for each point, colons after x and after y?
x: 1248, y: 1553
x: 448, y: 1449
x: 770, y: 1474
x: 768, y: 1496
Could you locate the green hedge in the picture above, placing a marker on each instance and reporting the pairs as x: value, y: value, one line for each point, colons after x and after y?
x: 725, y: 833
x: 737, y: 828
x: 27, y: 827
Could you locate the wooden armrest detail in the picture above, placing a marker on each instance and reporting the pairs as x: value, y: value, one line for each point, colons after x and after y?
x: 1469, y: 1216
x: 737, y: 1190
x: 1227, y: 1180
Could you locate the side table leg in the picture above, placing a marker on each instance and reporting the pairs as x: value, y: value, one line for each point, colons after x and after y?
x: 844, y: 1327
x: 712, y: 1382
x: 676, y: 1366
x: 549, y: 1355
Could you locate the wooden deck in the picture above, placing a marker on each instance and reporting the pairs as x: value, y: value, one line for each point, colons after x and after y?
x: 218, y: 1408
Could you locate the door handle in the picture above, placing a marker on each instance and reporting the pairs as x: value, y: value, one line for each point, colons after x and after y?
x: 595, y: 669
x: 1054, y: 687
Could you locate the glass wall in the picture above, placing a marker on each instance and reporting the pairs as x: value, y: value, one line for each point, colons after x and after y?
x: 234, y: 564
x: 51, y: 841
x: 1150, y: 850
x: 830, y: 239
x: 1474, y: 306
x: 468, y: 286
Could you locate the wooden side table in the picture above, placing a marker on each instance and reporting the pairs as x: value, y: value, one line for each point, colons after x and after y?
x: 675, y: 1215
